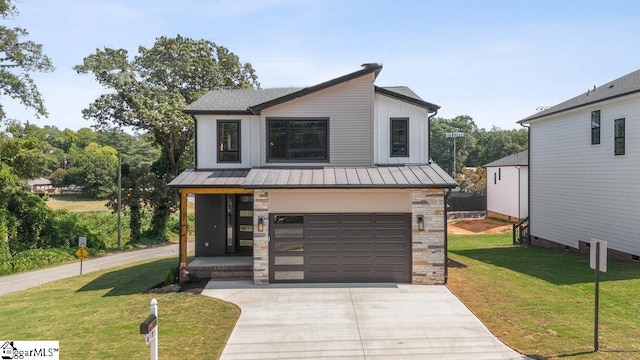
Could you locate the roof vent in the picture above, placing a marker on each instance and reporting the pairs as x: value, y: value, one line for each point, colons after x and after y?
x: 610, y: 86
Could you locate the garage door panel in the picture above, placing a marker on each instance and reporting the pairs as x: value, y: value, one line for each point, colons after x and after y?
x: 400, y: 246
x: 341, y: 248
x: 390, y: 218
x: 322, y: 260
x: 322, y: 232
x: 322, y: 219
x: 356, y: 246
x: 317, y: 246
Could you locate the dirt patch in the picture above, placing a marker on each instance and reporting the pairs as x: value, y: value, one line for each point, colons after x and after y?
x: 478, y: 226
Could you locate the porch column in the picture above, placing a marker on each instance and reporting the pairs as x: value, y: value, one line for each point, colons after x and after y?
x: 182, y: 253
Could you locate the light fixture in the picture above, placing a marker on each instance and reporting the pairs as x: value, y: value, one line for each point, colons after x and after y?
x: 260, y: 224
x: 421, y: 222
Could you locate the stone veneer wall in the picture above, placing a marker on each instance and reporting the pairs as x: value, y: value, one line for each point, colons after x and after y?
x: 260, y: 238
x: 428, y: 246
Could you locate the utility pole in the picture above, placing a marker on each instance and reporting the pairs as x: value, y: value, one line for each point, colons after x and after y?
x: 455, y: 135
x: 119, y: 200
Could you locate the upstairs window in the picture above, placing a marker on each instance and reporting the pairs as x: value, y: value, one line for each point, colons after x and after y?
x: 298, y: 140
x: 399, y: 137
x: 618, y: 131
x: 595, y: 127
x: 228, y: 140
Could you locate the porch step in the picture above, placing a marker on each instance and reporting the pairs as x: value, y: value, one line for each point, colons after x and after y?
x: 222, y: 272
x: 232, y: 272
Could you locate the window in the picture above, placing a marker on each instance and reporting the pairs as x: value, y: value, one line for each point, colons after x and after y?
x: 228, y: 140
x: 399, y: 137
x: 595, y: 127
x: 618, y: 131
x: 301, y: 140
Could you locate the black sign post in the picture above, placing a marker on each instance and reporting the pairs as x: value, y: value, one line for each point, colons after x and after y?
x: 598, y: 262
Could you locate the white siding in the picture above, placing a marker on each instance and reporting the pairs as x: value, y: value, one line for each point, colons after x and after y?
x: 386, y: 108
x: 581, y: 191
x: 503, y: 190
x: 349, y: 107
x: 206, y: 142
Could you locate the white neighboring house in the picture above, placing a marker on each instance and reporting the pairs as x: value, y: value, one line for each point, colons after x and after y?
x: 584, y: 173
x: 508, y: 187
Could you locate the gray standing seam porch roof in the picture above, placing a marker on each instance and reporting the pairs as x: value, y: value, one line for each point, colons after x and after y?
x: 409, y: 176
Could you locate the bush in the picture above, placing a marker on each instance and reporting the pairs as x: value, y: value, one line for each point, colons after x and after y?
x: 39, y: 258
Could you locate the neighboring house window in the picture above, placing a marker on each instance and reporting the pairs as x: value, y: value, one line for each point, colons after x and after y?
x: 494, y: 178
x: 299, y: 140
x: 595, y: 127
x: 228, y: 140
x: 399, y: 137
x: 499, y: 173
x: 618, y: 130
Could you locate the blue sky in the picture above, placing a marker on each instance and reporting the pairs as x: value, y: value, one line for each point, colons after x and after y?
x: 496, y: 61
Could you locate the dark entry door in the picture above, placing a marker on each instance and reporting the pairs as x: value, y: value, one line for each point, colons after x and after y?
x: 340, y: 247
x: 244, y: 229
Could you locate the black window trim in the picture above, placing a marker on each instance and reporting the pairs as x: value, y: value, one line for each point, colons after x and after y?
x: 218, y: 152
x: 391, y: 121
x: 296, y: 118
x: 595, y: 140
x: 617, y: 151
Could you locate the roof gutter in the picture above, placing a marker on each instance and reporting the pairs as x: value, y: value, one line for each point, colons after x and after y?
x: 429, y: 134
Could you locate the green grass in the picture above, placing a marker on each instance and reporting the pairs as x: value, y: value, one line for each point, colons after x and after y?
x: 541, y: 302
x: 97, y: 316
x: 76, y: 203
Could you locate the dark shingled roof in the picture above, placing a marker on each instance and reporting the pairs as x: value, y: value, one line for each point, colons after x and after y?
x: 519, y: 159
x: 252, y: 101
x: 626, y: 85
x: 410, y: 176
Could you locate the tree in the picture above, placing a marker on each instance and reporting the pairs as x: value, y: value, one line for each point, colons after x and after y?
x: 496, y: 144
x: 441, y: 146
x: 19, y: 57
x: 149, y: 92
x: 474, y: 180
x: 95, y: 169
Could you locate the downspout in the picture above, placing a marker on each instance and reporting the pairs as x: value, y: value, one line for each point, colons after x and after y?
x: 446, y: 239
x: 528, y: 179
x: 429, y: 136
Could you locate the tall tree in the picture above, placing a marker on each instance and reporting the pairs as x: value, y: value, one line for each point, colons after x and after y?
x: 149, y: 92
x: 441, y: 147
x: 18, y: 58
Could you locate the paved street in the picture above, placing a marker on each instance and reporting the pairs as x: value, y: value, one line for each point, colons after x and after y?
x: 29, y: 279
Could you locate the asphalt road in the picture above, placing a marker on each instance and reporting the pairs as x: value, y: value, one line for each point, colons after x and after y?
x: 21, y: 281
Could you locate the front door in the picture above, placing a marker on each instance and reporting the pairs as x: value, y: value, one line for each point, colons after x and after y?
x: 239, y: 224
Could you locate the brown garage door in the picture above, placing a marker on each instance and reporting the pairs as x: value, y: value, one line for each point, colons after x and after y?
x: 340, y: 248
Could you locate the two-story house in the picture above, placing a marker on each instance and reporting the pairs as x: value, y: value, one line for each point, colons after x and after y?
x: 584, y: 173
x: 328, y: 183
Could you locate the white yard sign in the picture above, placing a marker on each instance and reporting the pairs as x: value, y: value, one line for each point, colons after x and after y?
x: 82, y: 242
x: 603, y: 254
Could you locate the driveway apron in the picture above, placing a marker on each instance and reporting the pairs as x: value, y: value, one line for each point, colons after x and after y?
x: 353, y: 321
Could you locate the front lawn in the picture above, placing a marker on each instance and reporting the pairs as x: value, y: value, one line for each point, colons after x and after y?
x: 541, y: 302
x: 97, y: 316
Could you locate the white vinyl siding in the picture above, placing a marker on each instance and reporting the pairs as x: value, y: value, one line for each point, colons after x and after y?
x: 505, y: 196
x: 386, y: 108
x: 207, y: 138
x: 349, y: 108
x: 581, y: 191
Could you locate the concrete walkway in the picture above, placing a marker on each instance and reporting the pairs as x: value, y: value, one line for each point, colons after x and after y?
x: 354, y: 321
x: 21, y: 281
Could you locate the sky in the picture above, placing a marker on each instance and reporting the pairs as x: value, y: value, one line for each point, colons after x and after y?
x: 496, y: 61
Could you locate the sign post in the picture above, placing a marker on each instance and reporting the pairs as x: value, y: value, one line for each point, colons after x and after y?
x: 82, y: 252
x: 149, y: 328
x: 598, y: 262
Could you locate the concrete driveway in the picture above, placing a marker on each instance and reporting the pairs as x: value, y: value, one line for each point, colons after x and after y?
x: 354, y: 321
